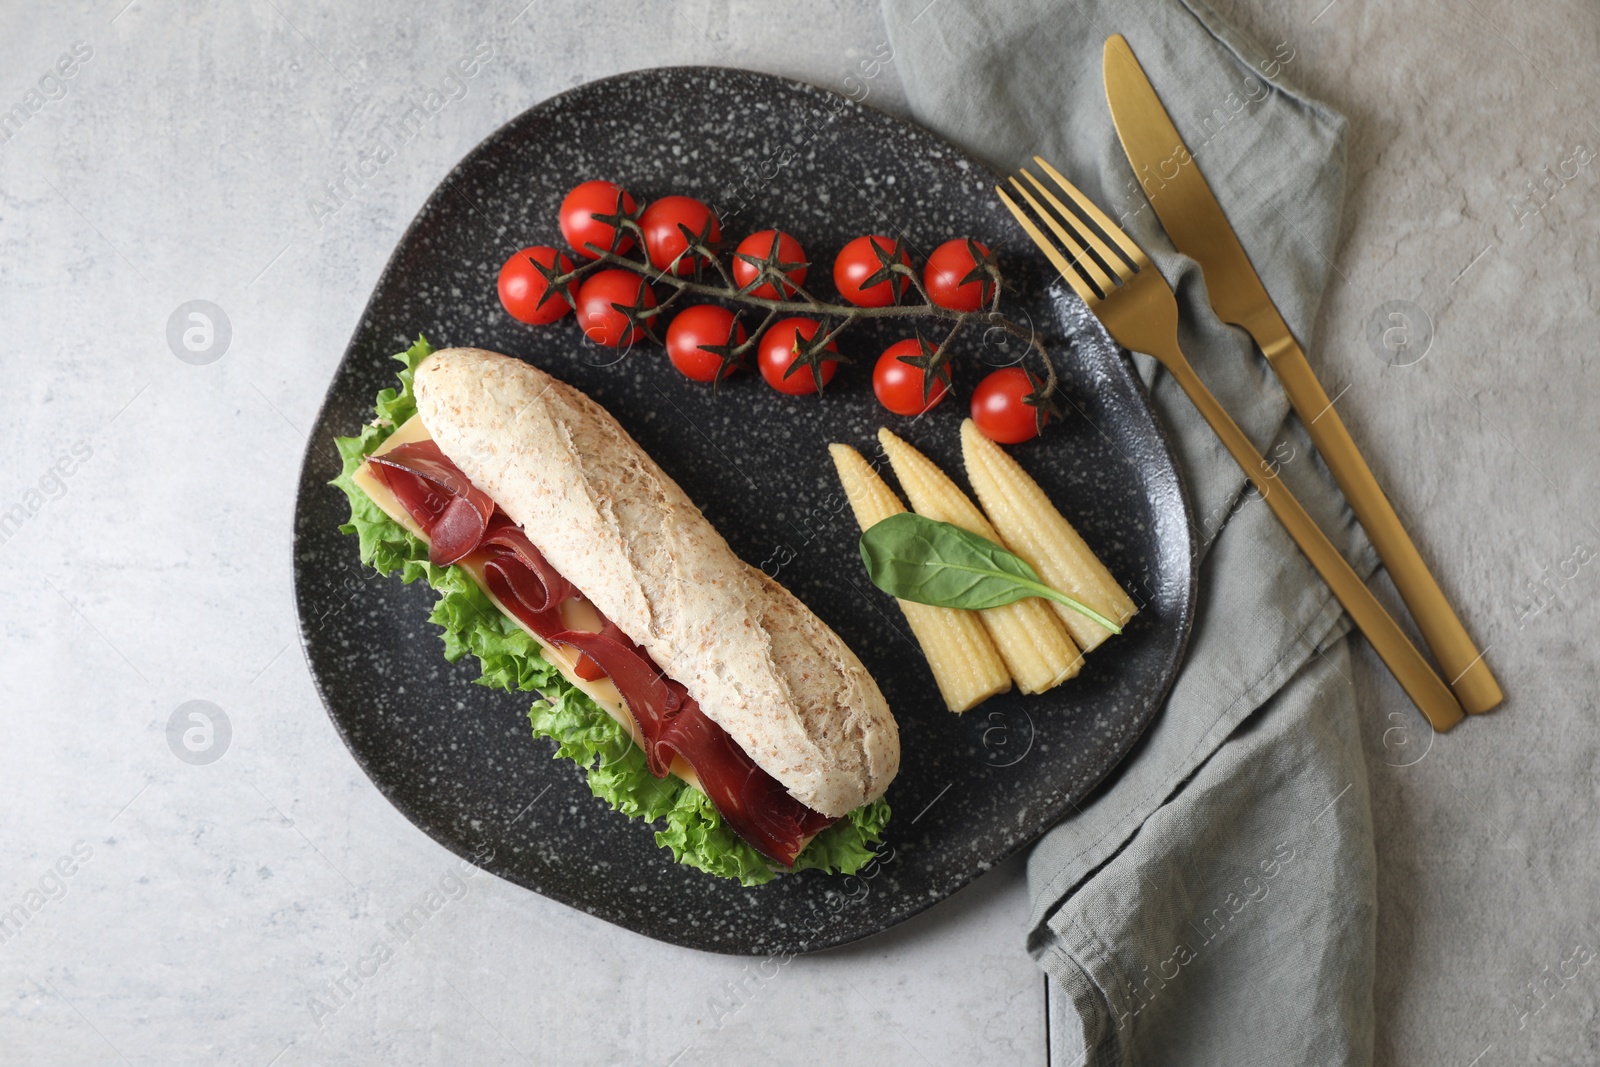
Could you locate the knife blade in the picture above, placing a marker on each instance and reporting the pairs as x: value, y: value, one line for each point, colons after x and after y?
x: 1194, y: 220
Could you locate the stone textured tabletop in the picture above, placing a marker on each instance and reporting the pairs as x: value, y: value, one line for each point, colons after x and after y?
x: 167, y: 910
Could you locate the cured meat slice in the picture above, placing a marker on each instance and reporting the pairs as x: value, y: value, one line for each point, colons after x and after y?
x: 751, y: 801
x: 443, y: 500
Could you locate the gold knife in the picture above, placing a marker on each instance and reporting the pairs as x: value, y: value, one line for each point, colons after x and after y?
x: 1189, y: 212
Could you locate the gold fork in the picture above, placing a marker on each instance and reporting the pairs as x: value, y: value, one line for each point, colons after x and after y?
x: 1136, y: 306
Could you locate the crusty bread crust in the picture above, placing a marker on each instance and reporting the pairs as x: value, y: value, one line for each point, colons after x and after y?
x: 760, y: 664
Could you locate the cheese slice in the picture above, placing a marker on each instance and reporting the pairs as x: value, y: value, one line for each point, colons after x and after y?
x: 577, y: 614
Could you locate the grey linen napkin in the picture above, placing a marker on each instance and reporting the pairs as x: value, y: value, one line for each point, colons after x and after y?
x: 1215, y: 902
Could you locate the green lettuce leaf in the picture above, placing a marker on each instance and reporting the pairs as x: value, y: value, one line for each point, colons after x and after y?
x: 582, y: 730
x: 849, y: 844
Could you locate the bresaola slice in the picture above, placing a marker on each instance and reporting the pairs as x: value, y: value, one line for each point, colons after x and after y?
x: 651, y: 698
x: 444, y: 501
x: 521, y: 578
x: 531, y: 589
x: 447, y: 506
x: 503, y: 533
x: 519, y: 588
x: 749, y: 799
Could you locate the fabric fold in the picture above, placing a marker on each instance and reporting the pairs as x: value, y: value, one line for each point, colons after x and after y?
x: 1259, y: 729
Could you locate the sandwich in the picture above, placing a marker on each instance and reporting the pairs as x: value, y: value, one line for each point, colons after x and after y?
x: 692, y: 687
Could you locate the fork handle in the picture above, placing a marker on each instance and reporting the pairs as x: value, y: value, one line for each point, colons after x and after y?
x: 1420, y: 681
x: 1441, y: 627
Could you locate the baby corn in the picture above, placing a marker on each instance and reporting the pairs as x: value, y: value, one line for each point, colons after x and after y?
x: 1030, y: 639
x: 964, y: 662
x: 1037, y: 532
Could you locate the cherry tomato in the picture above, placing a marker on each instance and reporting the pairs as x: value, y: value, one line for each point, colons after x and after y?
x: 525, y: 293
x: 763, y: 246
x: 999, y: 409
x: 899, y: 384
x: 777, y: 355
x: 579, y: 226
x: 695, y: 327
x: 601, y: 322
x: 950, y: 263
x: 857, y: 262
x: 662, y: 238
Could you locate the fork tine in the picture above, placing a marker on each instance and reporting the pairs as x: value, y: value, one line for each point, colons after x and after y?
x: 1047, y: 246
x: 1131, y: 251
x: 1086, y: 235
x: 1072, y: 237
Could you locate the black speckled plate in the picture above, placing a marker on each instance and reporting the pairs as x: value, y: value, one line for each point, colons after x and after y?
x: 459, y: 759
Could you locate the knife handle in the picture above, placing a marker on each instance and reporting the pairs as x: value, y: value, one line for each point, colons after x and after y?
x: 1463, y: 664
x: 1414, y: 673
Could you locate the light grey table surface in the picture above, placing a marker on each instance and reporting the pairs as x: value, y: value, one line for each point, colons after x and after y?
x: 211, y: 909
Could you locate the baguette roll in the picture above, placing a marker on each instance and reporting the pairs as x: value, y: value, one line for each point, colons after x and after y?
x: 783, y: 685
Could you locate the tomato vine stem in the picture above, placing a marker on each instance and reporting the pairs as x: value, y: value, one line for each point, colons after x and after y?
x: 804, y: 303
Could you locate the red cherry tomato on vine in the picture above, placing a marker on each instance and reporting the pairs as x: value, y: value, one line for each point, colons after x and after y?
x: 664, y: 241
x: 777, y: 355
x: 947, y: 266
x: 999, y: 409
x: 699, y: 326
x: 760, y: 246
x: 578, y: 224
x: 525, y: 293
x: 601, y: 322
x: 899, y: 384
x: 857, y: 262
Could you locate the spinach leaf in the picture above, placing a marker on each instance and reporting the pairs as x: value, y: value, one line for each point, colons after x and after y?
x: 916, y: 558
